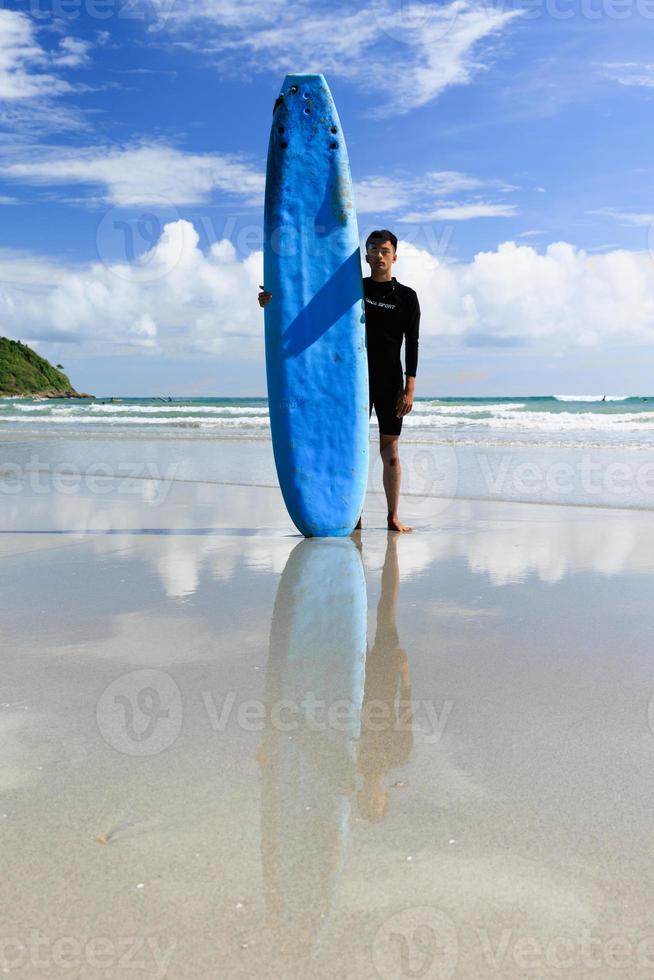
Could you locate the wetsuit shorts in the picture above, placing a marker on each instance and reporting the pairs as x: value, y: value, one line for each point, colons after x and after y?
x: 383, y: 398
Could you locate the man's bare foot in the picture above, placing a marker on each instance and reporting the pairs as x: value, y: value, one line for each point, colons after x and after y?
x: 395, y: 524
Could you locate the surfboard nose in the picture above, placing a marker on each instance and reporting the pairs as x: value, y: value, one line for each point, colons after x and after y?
x: 301, y: 92
x: 303, y: 78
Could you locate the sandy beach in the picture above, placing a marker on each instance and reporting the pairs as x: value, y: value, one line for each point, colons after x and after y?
x: 230, y: 752
x: 249, y: 253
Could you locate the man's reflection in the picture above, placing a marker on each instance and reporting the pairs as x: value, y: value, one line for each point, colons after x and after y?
x: 386, y: 718
x: 328, y: 731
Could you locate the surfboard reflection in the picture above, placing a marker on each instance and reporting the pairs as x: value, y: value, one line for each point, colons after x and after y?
x: 314, y: 693
x: 319, y: 685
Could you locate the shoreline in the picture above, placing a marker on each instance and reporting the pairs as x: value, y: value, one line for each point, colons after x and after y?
x: 47, y: 395
x: 433, y: 473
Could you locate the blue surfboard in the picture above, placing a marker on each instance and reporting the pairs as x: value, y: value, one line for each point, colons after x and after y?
x: 316, y: 362
x: 308, y: 760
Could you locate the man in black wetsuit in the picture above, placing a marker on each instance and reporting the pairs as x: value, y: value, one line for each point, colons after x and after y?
x: 392, y: 315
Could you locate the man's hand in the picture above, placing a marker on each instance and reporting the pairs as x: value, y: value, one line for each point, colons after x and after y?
x: 264, y: 297
x: 404, y: 401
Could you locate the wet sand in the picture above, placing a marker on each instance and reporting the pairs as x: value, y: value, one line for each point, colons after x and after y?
x: 228, y: 752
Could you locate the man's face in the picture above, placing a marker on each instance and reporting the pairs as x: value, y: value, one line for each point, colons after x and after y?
x: 380, y: 256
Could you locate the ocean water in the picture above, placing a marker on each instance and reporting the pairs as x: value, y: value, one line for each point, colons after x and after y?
x: 554, y: 420
x: 561, y: 449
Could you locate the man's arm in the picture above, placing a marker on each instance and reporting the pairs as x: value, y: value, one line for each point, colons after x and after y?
x: 411, y: 334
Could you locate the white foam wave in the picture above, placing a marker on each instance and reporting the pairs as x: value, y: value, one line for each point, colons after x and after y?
x: 162, y: 409
x: 172, y: 423
x: 591, y: 398
x: 542, y: 422
x: 44, y: 407
x: 429, y: 420
x: 427, y: 407
x: 181, y: 409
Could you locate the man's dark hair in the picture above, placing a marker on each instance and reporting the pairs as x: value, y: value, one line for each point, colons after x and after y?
x: 383, y: 235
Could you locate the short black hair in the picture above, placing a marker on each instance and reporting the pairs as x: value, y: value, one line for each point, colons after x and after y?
x: 382, y: 235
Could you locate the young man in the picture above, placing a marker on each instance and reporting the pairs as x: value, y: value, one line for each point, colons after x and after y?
x: 392, y: 315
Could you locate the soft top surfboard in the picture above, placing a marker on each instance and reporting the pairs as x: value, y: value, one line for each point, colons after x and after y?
x: 316, y: 666
x: 316, y: 362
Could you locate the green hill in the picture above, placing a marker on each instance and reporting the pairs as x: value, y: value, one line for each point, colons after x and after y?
x: 24, y: 372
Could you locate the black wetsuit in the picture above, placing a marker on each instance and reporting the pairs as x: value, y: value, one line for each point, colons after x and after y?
x: 392, y: 316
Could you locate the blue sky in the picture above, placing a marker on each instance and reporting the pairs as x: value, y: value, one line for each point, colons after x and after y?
x: 507, y: 144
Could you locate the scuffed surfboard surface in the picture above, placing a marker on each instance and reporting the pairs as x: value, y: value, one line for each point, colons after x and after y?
x: 316, y: 361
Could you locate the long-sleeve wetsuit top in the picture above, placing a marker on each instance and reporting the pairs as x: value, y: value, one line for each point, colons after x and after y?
x: 392, y: 315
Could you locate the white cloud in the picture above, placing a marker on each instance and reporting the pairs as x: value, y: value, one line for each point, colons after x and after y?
x: 145, y: 174
x: 389, y: 193
x: 443, y: 50
x: 25, y: 121
x: 462, y: 212
x: 25, y: 65
x: 562, y: 298
x: 22, y: 59
x: 507, y: 552
x: 72, y: 53
x: 552, y: 551
x: 638, y: 218
x: 176, y: 299
x: 630, y: 73
x: 439, y: 44
x: 173, y: 299
x: 160, y: 174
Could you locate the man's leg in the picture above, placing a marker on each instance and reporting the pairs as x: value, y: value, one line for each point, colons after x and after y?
x: 389, y: 448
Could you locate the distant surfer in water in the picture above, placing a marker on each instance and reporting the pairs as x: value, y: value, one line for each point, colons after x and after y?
x: 392, y: 316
